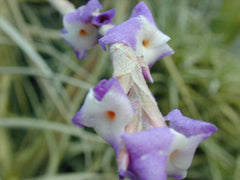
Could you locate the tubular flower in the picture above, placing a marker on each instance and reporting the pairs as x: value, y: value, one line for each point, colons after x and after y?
x: 166, y: 151
x: 140, y: 33
x: 189, y: 133
x: 81, y: 27
x: 107, y: 110
x: 148, y: 154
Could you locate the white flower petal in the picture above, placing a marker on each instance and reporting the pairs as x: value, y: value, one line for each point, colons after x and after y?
x: 107, y: 116
x: 181, y: 154
x: 151, y: 42
x: 82, y: 36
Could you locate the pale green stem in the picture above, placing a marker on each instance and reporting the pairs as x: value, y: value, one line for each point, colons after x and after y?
x: 63, y: 6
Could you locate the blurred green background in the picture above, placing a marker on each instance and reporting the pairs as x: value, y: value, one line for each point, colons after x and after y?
x: 42, y: 85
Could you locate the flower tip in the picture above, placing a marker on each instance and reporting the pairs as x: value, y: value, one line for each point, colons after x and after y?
x: 188, y: 126
x: 63, y: 31
x: 76, y: 119
x: 102, y: 44
x: 212, y: 129
x: 103, y: 86
x: 121, y: 174
x: 94, y: 3
x: 174, y: 113
x: 80, y: 55
x: 142, y: 9
x: 147, y: 74
x: 168, y: 52
x: 141, y: 6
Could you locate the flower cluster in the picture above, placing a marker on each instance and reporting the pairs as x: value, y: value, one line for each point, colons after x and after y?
x: 122, y: 110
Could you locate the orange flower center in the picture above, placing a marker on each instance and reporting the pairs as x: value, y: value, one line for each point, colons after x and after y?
x: 82, y: 32
x: 111, y: 115
x: 173, y: 154
x: 146, y: 43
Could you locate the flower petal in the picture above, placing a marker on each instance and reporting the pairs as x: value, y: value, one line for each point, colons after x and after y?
x: 189, y: 127
x: 104, y: 18
x: 148, y: 153
x: 71, y: 19
x: 147, y: 75
x: 150, y: 167
x: 122, y: 33
x: 181, y: 154
x: 152, y: 140
x: 142, y: 9
x: 151, y: 42
x: 103, y: 87
x: 86, y: 13
x: 83, y: 14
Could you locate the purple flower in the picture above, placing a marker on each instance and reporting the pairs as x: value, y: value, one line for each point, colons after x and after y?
x: 189, y: 133
x: 148, y: 154
x: 78, y: 31
x: 166, y: 151
x: 80, y: 27
x: 140, y: 33
x: 107, y: 110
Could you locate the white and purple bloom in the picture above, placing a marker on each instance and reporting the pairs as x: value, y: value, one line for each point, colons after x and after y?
x: 81, y: 27
x: 147, y: 153
x: 107, y: 110
x: 140, y: 33
x: 189, y: 133
x: 166, y: 151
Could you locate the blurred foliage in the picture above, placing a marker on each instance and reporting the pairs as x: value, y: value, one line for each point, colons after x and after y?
x: 42, y: 85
